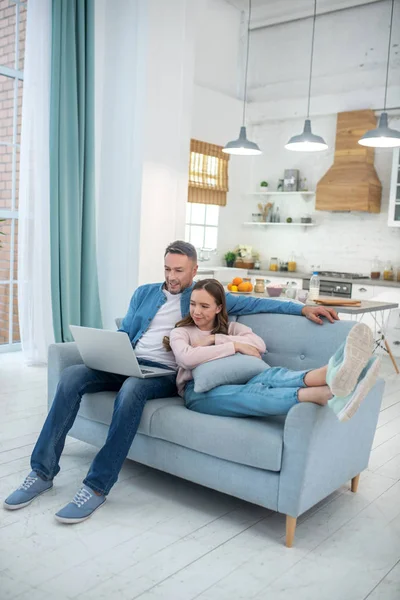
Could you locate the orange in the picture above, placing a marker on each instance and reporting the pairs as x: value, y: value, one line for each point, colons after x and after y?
x: 249, y: 287
x: 234, y: 288
x: 229, y: 286
x: 237, y: 281
x: 242, y: 287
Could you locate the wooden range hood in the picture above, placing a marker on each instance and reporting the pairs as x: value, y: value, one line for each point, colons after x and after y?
x: 352, y: 182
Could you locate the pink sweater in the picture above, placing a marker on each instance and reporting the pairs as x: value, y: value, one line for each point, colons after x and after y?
x: 189, y: 357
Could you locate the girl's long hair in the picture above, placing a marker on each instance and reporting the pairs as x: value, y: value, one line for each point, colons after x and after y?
x: 216, y: 290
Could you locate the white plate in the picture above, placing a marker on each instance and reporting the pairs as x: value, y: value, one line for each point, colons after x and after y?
x: 238, y: 292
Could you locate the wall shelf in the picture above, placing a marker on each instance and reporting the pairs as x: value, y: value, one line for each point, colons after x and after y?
x: 281, y: 194
x: 258, y: 223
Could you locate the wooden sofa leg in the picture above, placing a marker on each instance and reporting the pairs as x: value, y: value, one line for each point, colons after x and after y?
x: 354, y: 483
x: 290, y: 529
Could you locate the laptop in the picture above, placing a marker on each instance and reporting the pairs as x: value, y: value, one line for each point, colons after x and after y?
x: 112, y: 351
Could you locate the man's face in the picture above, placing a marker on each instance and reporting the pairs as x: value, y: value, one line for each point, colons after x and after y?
x: 179, y: 271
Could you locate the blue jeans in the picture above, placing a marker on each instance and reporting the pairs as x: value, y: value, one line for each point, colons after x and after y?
x: 133, y: 394
x: 272, y: 392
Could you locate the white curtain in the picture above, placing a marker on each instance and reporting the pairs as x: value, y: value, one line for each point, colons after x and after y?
x: 34, y: 291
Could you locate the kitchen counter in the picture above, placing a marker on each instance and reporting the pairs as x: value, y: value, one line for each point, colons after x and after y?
x: 304, y: 275
x: 288, y: 274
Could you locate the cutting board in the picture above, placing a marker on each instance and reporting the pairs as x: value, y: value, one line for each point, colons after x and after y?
x: 337, y: 302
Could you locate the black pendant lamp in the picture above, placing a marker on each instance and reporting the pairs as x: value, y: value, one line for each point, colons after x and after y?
x: 242, y: 146
x: 308, y: 141
x: 383, y: 136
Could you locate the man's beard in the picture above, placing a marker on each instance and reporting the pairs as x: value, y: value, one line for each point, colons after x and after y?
x: 173, y: 292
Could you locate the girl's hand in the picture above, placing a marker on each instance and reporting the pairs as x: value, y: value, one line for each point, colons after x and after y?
x: 246, y: 349
x: 209, y: 340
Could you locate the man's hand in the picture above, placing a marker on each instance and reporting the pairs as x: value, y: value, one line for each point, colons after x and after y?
x: 313, y: 313
x: 208, y: 340
x: 246, y: 349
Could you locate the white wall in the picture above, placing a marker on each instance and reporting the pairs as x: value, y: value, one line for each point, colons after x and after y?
x: 345, y: 241
x: 349, y: 73
x: 119, y: 80
x: 218, y: 47
x: 349, y: 64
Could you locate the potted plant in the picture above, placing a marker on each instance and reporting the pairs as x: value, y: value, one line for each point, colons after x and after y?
x: 264, y: 186
x: 230, y: 258
x: 245, y: 257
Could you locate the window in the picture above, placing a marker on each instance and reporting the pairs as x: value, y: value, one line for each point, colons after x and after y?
x: 12, y: 35
x: 202, y: 225
x: 208, y: 186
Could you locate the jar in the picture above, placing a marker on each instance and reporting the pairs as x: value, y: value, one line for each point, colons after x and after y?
x: 260, y: 286
x: 292, y: 265
x: 246, y: 279
x: 273, y: 264
x: 388, y: 274
x: 291, y: 290
x: 375, y: 269
x: 257, y: 217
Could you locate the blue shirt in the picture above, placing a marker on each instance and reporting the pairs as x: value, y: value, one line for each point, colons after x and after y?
x: 149, y: 298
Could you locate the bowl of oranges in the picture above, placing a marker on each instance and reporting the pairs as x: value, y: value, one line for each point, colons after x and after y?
x: 240, y: 286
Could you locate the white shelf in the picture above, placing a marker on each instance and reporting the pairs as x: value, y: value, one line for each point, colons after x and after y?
x: 281, y: 194
x: 278, y: 224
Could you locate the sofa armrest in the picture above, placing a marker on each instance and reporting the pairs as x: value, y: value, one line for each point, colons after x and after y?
x: 321, y: 453
x: 60, y: 357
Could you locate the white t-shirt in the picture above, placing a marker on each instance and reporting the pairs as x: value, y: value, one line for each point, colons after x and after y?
x: 150, y: 346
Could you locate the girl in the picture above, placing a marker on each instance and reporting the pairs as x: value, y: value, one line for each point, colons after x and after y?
x: 206, y: 334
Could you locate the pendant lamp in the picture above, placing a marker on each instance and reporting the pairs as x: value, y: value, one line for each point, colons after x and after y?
x: 308, y: 141
x: 242, y: 145
x: 383, y: 136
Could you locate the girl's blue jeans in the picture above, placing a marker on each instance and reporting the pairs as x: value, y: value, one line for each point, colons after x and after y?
x: 272, y: 392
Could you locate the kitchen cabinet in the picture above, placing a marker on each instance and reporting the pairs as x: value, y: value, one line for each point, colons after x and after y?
x: 362, y: 292
x: 394, y: 197
x: 283, y: 280
x: 222, y: 274
x: 381, y: 293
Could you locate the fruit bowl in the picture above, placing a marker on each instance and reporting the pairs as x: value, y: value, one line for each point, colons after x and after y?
x: 274, y: 291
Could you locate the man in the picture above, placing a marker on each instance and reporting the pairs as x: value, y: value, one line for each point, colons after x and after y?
x: 154, y: 309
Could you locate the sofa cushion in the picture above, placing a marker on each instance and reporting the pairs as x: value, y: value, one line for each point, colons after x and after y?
x: 248, y: 441
x: 99, y: 407
x: 295, y: 342
x: 236, y: 369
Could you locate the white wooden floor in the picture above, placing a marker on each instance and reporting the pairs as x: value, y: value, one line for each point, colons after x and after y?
x: 159, y: 537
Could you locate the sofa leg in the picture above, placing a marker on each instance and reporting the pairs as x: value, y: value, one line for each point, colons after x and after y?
x: 354, y: 483
x: 290, y: 529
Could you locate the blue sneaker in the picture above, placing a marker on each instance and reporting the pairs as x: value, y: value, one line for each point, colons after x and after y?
x: 82, y: 506
x: 32, y: 487
x: 346, y: 365
x: 345, y: 408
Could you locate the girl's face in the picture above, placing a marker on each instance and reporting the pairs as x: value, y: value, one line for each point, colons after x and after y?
x: 203, y: 309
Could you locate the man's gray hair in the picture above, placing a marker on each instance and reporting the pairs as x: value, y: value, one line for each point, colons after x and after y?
x: 181, y: 247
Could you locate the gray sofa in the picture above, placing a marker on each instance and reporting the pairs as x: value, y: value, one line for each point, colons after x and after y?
x: 286, y: 464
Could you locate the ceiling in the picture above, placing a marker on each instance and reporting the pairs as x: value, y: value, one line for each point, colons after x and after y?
x: 271, y: 12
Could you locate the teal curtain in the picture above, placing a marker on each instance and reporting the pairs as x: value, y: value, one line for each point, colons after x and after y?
x: 74, y: 282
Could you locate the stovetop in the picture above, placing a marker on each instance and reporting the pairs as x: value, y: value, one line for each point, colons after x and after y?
x: 338, y: 275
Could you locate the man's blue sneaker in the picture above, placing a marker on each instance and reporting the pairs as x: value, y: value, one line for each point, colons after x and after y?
x: 345, y: 408
x: 346, y: 365
x: 82, y: 506
x: 32, y: 487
